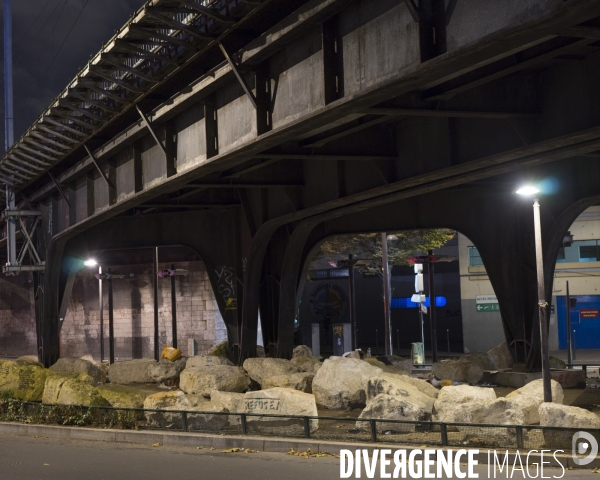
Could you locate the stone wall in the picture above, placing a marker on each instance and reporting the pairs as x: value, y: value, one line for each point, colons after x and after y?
x: 17, y: 316
x: 198, y: 316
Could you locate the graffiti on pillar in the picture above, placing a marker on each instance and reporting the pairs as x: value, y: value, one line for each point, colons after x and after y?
x: 226, y: 286
x: 328, y: 303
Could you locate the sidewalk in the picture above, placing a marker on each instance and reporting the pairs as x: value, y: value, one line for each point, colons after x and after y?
x: 581, y: 356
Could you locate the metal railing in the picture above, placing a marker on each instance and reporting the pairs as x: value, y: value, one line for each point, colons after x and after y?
x: 405, y: 432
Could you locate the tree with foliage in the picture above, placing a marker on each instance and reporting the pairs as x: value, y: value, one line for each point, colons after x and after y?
x: 368, y: 246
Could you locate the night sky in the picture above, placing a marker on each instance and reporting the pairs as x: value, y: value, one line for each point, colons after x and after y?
x: 52, y: 40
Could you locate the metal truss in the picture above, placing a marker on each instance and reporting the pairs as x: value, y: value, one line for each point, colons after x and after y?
x: 37, y: 264
x: 158, y: 41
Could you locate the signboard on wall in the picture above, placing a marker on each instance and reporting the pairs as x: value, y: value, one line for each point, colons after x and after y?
x: 486, y: 303
x: 588, y: 313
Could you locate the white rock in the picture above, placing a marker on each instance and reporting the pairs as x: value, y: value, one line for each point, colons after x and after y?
x: 298, y: 381
x: 422, y: 385
x: 174, y: 400
x: 220, y: 377
x: 207, y: 361
x: 302, y: 351
x: 501, y: 356
x: 307, y: 364
x: 555, y: 415
x: 76, y: 392
x: 132, y: 371
x: 281, y: 401
x: 468, y: 368
x: 67, y: 366
x: 341, y: 383
x: 390, y: 407
x: 449, y: 405
x: 394, y: 385
x: 535, y: 389
x: 166, y: 370
x: 260, y: 368
x: 404, y: 364
x: 230, y: 402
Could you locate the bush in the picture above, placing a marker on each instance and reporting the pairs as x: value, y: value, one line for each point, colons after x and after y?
x: 14, y: 410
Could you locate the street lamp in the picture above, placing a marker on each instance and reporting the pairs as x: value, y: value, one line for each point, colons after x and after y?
x: 91, y: 262
x: 532, y: 191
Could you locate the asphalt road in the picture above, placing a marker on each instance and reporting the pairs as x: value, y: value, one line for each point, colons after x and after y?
x: 28, y: 458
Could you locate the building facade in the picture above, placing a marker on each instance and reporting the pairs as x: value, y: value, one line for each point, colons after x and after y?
x: 578, y: 263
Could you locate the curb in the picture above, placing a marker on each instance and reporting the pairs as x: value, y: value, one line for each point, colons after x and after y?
x: 262, y: 444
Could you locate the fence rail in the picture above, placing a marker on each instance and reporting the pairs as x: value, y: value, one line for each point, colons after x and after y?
x: 335, y: 428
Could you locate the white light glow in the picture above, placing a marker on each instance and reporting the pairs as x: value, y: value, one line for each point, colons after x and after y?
x: 528, y: 190
x: 90, y: 262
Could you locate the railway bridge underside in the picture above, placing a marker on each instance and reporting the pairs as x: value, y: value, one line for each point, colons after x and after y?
x: 339, y: 116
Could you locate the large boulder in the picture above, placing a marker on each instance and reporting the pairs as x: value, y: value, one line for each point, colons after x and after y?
x: 208, y: 418
x: 388, y: 368
x: 281, y: 401
x: 298, y: 381
x: 76, y: 392
x: 132, y: 371
x: 29, y: 360
x: 211, y: 418
x: 52, y: 388
x: 404, y: 364
x: 501, y: 357
x: 421, y: 385
x: 261, y: 368
x: 68, y: 366
x: 307, y: 364
x: 468, y: 368
x: 260, y: 351
x: 557, y: 363
x: 220, y: 350
x: 202, y: 380
x: 529, y: 398
x: 535, y: 389
x: 173, y: 400
x: 207, y: 361
x: 24, y: 382
x: 394, y: 385
x: 501, y: 411
x: 555, y: 415
x: 54, y: 383
x: 230, y: 402
x: 302, y: 351
x: 341, y: 383
x: 453, y: 403
x: 166, y: 370
x: 390, y: 407
x: 122, y: 396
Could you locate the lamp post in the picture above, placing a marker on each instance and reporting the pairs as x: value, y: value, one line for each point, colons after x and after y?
x: 531, y: 191
x: 387, y: 292
x: 92, y: 263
